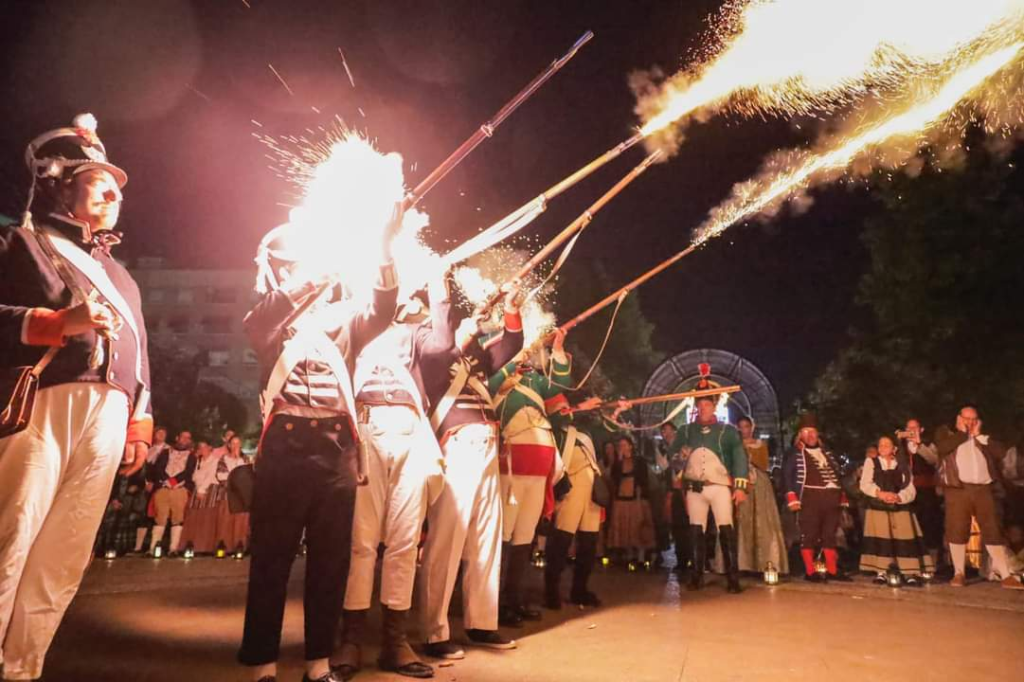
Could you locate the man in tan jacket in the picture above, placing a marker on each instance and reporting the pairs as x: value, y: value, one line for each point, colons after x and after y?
x: 969, y: 468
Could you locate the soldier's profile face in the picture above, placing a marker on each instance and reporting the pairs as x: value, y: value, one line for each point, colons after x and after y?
x: 96, y: 199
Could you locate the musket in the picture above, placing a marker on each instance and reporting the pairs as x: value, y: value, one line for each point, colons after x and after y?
x: 608, y: 300
x: 487, y: 129
x: 615, y: 296
x: 576, y: 226
x: 665, y: 398
x: 524, y: 215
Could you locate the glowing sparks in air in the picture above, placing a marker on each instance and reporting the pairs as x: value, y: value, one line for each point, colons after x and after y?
x: 792, y: 172
x: 800, y: 56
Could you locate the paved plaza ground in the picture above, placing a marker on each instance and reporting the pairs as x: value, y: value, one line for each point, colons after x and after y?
x: 142, y: 620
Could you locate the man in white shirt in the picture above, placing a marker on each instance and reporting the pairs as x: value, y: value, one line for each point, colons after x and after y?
x: 969, y: 465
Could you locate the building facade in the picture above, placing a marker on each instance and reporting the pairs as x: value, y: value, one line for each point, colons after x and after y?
x: 199, y: 313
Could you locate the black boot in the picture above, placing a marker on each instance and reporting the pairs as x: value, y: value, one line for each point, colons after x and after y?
x: 730, y: 559
x: 519, y: 565
x: 513, y: 577
x: 586, y: 554
x: 556, y: 552
x: 697, y: 547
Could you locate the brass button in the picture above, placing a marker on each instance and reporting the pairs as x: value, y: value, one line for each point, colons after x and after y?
x: 314, y: 423
x: 289, y: 426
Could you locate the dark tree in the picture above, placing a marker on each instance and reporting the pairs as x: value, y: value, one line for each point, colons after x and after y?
x: 944, y: 289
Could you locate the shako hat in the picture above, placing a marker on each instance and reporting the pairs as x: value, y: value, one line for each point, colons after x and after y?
x: 65, y: 152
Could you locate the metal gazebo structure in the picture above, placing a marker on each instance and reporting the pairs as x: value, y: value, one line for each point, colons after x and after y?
x: 756, y: 400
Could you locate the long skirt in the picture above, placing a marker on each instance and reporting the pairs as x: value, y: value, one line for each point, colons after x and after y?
x: 894, y: 536
x: 232, y: 529
x: 759, y: 536
x: 631, y: 525
x: 200, y: 527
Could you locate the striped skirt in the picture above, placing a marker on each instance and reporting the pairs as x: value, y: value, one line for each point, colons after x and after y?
x: 894, y: 536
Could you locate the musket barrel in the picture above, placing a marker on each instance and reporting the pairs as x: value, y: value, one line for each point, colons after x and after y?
x: 616, y: 295
x: 579, y: 223
x: 487, y: 129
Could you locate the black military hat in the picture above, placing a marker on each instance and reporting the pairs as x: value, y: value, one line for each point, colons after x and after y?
x: 65, y: 152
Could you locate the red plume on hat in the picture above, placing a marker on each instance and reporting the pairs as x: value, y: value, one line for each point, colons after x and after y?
x: 704, y: 382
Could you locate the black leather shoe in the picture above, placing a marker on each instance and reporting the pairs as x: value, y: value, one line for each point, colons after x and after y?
x: 526, y: 613
x: 446, y: 650
x: 492, y: 639
x: 841, y: 578
x: 814, y: 578
x: 344, y: 672
x: 585, y: 599
x: 329, y: 677
x: 508, y: 617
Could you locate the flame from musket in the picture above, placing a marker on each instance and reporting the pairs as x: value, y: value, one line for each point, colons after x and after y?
x: 799, y: 56
x: 347, y: 190
x: 797, y: 173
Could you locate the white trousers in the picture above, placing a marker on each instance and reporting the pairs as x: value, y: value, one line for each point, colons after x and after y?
x: 55, y: 481
x: 717, y: 498
x: 390, y: 509
x: 464, y: 524
x: 522, y: 501
x: 577, y: 511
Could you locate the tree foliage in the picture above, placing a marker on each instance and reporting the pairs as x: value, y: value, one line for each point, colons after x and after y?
x: 944, y: 290
x: 182, y: 400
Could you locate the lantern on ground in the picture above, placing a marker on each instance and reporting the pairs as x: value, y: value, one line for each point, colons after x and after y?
x: 190, y: 551
x: 605, y: 561
x: 771, y: 574
x: 158, y: 551
x: 538, y: 559
x: 222, y: 550
x: 239, y: 552
x: 110, y: 554
x: 820, y: 567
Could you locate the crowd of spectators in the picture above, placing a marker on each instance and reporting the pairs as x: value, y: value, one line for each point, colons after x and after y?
x: 178, y: 503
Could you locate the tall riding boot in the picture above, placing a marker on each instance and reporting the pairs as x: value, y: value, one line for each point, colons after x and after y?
x: 555, y: 554
x: 519, y: 565
x: 730, y: 558
x: 586, y: 554
x: 698, y: 547
x: 511, y: 559
x: 396, y: 656
x: 347, y: 659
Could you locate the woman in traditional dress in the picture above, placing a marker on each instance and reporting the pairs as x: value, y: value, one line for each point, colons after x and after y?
x: 232, y: 529
x: 631, y: 529
x: 200, y: 527
x: 758, y: 527
x: 892, y: 535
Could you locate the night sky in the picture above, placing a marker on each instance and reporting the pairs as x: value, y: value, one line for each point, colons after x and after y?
x: 176, y: 87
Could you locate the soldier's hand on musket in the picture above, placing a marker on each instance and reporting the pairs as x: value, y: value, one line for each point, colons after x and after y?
x: 590, y: 403
x: 88, y: 315
x: 513, y: 295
